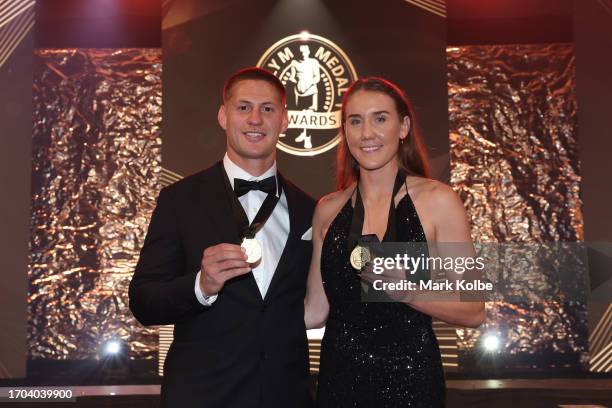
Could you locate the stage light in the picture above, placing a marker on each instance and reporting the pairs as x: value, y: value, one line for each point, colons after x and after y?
x: 491, y: 342
x: 114, y: 360
x: 111, y: 348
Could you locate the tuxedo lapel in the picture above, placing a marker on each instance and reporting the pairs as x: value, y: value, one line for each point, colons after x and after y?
x: 219, y: 214
x: 297, y: 224
x: 216, y: 204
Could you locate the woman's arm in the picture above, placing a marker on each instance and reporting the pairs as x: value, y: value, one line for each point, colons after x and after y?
x: 451, y: 231
x: 450, y: 237
x: 316, y: 306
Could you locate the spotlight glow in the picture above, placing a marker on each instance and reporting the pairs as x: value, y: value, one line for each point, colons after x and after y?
x: 304, y: 35
x: 491, y: 342
x: 112, y: 347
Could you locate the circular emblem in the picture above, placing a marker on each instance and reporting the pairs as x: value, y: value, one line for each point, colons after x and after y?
x: 316, y: 74
x: 360, y: 255
x: 252, y: 247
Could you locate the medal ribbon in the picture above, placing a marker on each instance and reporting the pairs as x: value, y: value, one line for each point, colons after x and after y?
x: 357, y: 220
x: 246, y: 230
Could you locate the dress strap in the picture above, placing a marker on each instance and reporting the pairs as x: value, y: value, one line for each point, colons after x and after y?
x: 357, y: 220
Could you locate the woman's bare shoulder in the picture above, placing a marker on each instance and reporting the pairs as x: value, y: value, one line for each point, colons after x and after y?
x: 330, y: 204
x: 432, y: 193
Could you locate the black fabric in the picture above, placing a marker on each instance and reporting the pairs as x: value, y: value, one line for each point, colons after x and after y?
x: 243, y: 351
x: 374, y: 354
x: 267, y: 185
x: 246, y: 230
x: 357, y: 219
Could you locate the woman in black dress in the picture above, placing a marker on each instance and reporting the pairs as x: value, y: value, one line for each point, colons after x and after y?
x: 380, y: 354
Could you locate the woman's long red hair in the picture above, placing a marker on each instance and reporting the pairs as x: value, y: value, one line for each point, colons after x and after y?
x: 411, y: 155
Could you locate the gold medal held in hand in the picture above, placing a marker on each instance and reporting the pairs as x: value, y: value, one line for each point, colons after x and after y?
x: 360, y: 255
x: 252, y: 249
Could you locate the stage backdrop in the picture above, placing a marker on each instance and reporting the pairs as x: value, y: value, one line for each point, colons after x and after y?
x: 16, y: 42
x: 97, y: 145
x: 514, y: 162
x: 206, y: 41
x: 328, y: 43
x: 95, y: 178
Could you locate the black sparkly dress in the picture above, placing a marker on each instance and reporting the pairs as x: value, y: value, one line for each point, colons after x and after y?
x: 374, y: 354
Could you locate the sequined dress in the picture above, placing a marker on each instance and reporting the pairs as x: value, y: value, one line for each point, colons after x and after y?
x: 374, y: 354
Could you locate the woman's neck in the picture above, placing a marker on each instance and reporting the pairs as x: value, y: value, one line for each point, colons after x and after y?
x: 377, y: 184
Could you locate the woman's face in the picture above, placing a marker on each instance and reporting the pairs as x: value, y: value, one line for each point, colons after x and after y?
x: 373, y: 129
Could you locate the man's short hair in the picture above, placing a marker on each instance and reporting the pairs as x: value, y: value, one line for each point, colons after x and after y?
x: 257, y: 74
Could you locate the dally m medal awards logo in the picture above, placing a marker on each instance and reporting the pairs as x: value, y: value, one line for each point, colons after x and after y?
x: 316, y: 73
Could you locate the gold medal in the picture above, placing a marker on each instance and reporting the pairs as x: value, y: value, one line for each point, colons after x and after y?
x: 360, y: 256
x: 252, y: 248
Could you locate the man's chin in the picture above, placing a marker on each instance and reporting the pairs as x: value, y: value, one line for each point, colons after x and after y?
x: 258, y: 154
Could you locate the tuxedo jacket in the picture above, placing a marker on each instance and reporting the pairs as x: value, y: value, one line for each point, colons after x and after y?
x: 242, y: 351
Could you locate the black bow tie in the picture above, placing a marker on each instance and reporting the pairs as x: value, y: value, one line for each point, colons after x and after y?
x: 267, y: 185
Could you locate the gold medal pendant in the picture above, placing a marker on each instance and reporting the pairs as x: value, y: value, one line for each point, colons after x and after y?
x: 360, y: 255
x: 252, y: 248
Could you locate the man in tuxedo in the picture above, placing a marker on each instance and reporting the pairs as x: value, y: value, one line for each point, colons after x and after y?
x: 225, y: 262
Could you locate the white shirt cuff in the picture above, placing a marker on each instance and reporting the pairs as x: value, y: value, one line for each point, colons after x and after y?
x: 202, y: 298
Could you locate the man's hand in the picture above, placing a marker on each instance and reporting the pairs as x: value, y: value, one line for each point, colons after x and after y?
x: 221, y: 263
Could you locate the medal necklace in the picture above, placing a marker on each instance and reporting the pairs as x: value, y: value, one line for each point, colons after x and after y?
x: 360, y: 254
x: 247, y: 231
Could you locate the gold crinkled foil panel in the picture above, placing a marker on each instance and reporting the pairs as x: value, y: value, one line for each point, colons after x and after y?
x: 95, y: 176
x: 514, y: 162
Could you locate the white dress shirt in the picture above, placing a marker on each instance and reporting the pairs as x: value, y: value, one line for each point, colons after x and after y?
x: 272, y: 236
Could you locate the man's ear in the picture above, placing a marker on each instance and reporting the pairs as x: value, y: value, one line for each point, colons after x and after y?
x: 285, y: 122
x: 405, y: 129
x: 222, y: 117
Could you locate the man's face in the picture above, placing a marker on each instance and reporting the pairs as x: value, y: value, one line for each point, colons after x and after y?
x: 253, y: 116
